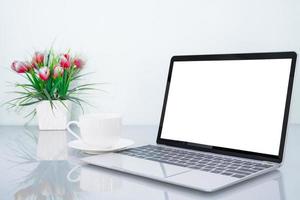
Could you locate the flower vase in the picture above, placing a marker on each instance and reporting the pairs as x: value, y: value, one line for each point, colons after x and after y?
x: 53, y: 117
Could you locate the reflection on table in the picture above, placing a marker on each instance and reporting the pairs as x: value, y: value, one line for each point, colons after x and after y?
x: 43, y: 167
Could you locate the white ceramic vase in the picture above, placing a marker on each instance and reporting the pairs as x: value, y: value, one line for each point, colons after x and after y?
x: 53, y: 118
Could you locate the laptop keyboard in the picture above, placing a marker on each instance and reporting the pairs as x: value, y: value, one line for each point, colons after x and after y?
x: 201, y: 161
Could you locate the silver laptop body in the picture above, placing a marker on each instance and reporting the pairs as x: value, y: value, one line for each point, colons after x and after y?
x: 223, y: 121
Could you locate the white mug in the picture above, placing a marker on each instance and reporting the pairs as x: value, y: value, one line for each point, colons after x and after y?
x: 99, y: 130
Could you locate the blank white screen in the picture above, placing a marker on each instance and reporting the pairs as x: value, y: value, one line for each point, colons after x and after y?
x: 237, y: 104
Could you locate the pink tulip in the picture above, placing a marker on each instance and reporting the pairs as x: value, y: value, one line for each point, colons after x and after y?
x: 20, y: 67
x: 29, y: 66
x: 67, y: 56
x: 44, y: 73
x: 33, y: 65
x: 38, y: 58
x: 57, y: 71
x: 65, y: 61
x: 78, y: 63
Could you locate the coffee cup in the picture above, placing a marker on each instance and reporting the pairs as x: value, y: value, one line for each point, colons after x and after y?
x: 101, y: 130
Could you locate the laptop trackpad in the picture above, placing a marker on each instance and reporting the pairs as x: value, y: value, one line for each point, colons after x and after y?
x: 136, y: 166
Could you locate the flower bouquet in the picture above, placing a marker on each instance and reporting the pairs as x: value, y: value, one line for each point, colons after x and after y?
x: 50, y: 77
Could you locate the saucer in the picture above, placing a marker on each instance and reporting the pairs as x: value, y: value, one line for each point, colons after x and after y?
x: 79, y: 145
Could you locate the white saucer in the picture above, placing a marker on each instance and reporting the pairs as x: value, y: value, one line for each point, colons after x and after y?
x: 79, y: 145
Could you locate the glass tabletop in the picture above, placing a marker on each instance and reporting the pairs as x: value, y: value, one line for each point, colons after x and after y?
x: 39, y: 165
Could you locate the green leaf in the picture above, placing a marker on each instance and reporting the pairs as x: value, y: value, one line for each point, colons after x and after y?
x: 24, y: 85
x: 32, y: 114
x: 78, y: 103
x: 81, y: 75
x: 64, y: 105
x: 49, y: 98
x: 29, y: 78
x: 30, y: 103
x: 48, y: 59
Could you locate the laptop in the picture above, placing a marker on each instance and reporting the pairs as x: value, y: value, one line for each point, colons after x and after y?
x: 223, y: 121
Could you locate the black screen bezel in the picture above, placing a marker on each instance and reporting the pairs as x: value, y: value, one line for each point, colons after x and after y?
x: 228, y: 151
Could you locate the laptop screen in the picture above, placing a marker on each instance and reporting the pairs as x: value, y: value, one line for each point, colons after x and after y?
x: 235, y: 104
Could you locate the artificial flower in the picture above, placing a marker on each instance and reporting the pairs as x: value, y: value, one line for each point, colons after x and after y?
x: 20, y: 67
x: 33, y: 65
x: 38, y: 58
x: 78, y: 63
x: 50, y: 77
x: 67, y: 56
x: 65, y: 61
x: 44, y: 73
x: 57, y: 71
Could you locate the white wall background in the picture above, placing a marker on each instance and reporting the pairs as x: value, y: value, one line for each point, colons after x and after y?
x: 129, y: 43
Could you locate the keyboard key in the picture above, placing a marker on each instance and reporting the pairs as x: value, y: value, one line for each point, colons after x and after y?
x: 205, y: 169
x: 235, y: 165
x: 257, y: 168
x: 238, y: 176
x: 219, y: 168
x: 227, y: 173
x: 231, y: 167
x: 196, y: 166
x: 262, y: 165
x: 216, y: 171
x: 247, y: 170
x: 237, y: 171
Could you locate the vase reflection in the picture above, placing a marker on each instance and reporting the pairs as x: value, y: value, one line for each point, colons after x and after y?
x: 46, y: 155
x: 48, y: 181
x: 52, y: 145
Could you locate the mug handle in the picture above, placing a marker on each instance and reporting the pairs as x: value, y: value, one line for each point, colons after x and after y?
x: 70, y: 173
x: 70, y: 130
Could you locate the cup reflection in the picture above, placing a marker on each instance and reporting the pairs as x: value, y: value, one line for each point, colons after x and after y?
x: 93, y: 180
